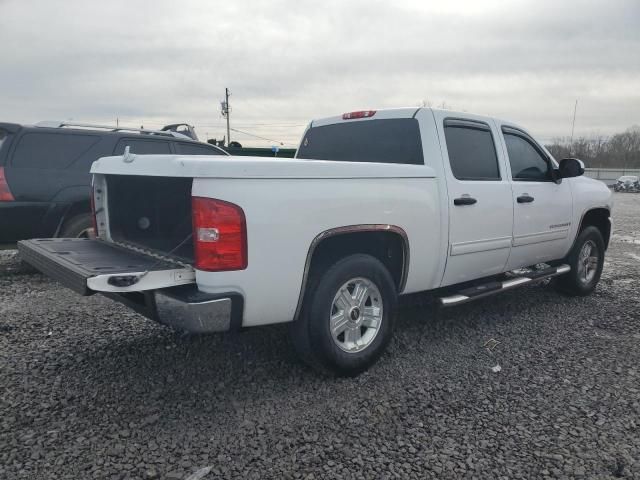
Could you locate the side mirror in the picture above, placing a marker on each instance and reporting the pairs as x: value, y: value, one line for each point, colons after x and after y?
x: 571, y: 167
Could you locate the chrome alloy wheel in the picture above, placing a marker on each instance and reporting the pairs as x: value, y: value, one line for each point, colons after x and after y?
x: 587, y: 262
x: 356, y: 315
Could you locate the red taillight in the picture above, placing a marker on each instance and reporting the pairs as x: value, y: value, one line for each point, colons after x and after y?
x: 219, y: 235
x: 360, y: 114
x: 5, y: 193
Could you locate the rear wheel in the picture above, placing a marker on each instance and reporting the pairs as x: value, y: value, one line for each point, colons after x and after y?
x: 347, y: 316
x: 586, y: 260
x: 80, y: 226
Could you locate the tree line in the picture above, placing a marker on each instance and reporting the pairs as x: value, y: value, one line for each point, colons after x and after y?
x: 621, y: 150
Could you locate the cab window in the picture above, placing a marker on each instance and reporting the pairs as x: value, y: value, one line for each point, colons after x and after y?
x: 472, y: 152
x: 527, y: 163
x: 391, y: 140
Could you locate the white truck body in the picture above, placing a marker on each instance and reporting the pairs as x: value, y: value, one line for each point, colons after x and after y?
x: 292, y: 205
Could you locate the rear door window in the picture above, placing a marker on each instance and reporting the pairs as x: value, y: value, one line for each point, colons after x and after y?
x: 472, y: 151
x: 51, y: 150
x: 142, y: 146
x: 394, y: 140
x: 527, y: 163
x: 195, y: 149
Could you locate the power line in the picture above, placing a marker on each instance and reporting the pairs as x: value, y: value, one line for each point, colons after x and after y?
x: 258, y: 136
x: 251, y: 125
x: 274, y: 124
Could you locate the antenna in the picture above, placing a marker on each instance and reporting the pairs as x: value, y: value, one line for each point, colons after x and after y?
x: 573, y: 126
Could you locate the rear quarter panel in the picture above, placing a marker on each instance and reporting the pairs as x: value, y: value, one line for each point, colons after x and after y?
x: 285, y: 215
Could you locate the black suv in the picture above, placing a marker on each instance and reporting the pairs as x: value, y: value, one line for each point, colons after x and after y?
x: 44, y: 172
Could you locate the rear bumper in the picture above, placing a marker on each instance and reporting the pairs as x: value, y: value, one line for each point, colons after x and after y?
x: 186, y: 308
x: 162, y: 293
x: 212, y: 315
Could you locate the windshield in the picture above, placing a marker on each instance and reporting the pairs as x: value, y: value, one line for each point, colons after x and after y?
x: 394, y: 140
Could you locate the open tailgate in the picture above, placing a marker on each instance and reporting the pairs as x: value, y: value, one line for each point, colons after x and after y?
x: 88, y: 266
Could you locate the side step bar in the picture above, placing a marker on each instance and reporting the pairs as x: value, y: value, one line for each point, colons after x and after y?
x: 491, y: 288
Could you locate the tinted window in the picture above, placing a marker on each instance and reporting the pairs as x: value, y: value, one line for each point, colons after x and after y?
x: 142, y: 147
x: 526, y: 162
x: 386, y: 141
x: 472, y: 153
x: 195, y: 149
x: 51, y: 150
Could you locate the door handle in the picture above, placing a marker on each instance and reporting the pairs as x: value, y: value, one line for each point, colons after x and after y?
x: 464, y: 201
x: 525, y: 198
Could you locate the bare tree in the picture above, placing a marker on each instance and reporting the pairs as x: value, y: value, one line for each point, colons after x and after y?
x: 621, y: 150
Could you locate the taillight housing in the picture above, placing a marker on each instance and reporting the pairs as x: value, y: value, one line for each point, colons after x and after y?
x: 5, y: 193
x: 219, y: 235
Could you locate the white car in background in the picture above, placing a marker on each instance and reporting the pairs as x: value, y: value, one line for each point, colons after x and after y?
x: 627, y: 183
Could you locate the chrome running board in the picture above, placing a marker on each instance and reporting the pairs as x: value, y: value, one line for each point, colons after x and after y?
x: 494, y: 287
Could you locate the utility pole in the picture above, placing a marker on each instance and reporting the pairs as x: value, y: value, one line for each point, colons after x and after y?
x: 226, y: 110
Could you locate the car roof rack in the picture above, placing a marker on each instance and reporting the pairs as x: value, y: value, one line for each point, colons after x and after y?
x: 165, y: 133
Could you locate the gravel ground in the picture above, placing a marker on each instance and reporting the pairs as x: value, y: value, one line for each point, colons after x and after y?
x: 92, y: 390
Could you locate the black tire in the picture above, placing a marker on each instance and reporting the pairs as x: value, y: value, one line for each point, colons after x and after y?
x: 80, y: 226
x: 311, y: 333
x: 575, y: 282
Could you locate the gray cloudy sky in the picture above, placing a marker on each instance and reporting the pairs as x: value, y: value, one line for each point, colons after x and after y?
x: 287, y: 61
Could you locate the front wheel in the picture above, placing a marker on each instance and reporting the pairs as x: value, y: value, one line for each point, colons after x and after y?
x: 586, y: 260
x: 347, y: 316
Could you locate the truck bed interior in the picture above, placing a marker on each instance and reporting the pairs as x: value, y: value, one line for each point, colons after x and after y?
x: 152, y: 212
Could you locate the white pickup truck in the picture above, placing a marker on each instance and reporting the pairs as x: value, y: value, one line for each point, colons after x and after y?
x: 376, y: 204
